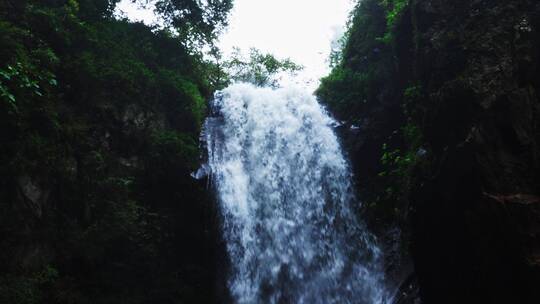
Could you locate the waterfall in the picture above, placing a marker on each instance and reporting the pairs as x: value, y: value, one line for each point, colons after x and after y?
x: 287, y: 202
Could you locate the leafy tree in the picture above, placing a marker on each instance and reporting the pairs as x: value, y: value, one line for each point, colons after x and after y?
x: 361, y: 64
x: 103, y: 115
x: 259, y: 68
x: 196, y: 22
x: 95, y: 9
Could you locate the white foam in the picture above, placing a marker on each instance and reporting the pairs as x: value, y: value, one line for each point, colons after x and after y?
x: 285, y: 193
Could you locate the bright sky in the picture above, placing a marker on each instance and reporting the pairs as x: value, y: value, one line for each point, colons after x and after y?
x: 302, y: 30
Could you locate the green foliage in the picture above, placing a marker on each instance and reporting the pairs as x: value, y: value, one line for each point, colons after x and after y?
x: 365, y: 88
x: 191, y: 111
x: 355, y: 82
x: 27, y: 74
x: 394, y: 10
x: 93, y: 9
x: 345, y: 91
x: 259, y: 68
x: 412, y: 93
x: 22, y: 81
x: 397, y: 163
x: 336, y: 52
x: 27, y: 289
x: 195, y: 22
x: 367, y: 25
x: 400, y: 155
x: 411, y: 96
x: 179, y: 149
x: 102, y: 116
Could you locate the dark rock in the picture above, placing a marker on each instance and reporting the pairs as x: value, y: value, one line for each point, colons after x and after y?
x: 33, y: 195
x: 481, y: 123
x: 464, y: 75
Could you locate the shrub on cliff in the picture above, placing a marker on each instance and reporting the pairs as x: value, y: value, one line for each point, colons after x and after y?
x: 99, y: 123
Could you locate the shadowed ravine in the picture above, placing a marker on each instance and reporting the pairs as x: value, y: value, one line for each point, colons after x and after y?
x: 286, y: 199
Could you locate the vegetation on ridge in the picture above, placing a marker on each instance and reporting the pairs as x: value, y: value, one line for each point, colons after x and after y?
x: 99, y: 126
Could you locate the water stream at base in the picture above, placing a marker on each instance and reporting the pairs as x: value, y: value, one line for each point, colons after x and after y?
x: 287, y: 202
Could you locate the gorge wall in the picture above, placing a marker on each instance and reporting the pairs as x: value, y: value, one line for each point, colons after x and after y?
x: 441, y: 110
x: 99, y: 127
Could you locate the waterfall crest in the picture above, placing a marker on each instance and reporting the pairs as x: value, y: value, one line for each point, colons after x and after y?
x: 286, y: 199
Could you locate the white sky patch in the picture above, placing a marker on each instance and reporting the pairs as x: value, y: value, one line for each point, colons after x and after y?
x: 132, y: 11
x: 302, y: 30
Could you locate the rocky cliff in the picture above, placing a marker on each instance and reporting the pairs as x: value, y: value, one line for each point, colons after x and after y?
x: 99, y: 123
x: 442, y: 112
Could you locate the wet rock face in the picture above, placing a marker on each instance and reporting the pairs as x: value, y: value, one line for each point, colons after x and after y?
x: 33, y: 195
x: 467, y: 204
x: 475, y: 207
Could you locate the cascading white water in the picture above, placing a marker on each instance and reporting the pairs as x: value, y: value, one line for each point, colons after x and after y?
x: 286, y: 199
